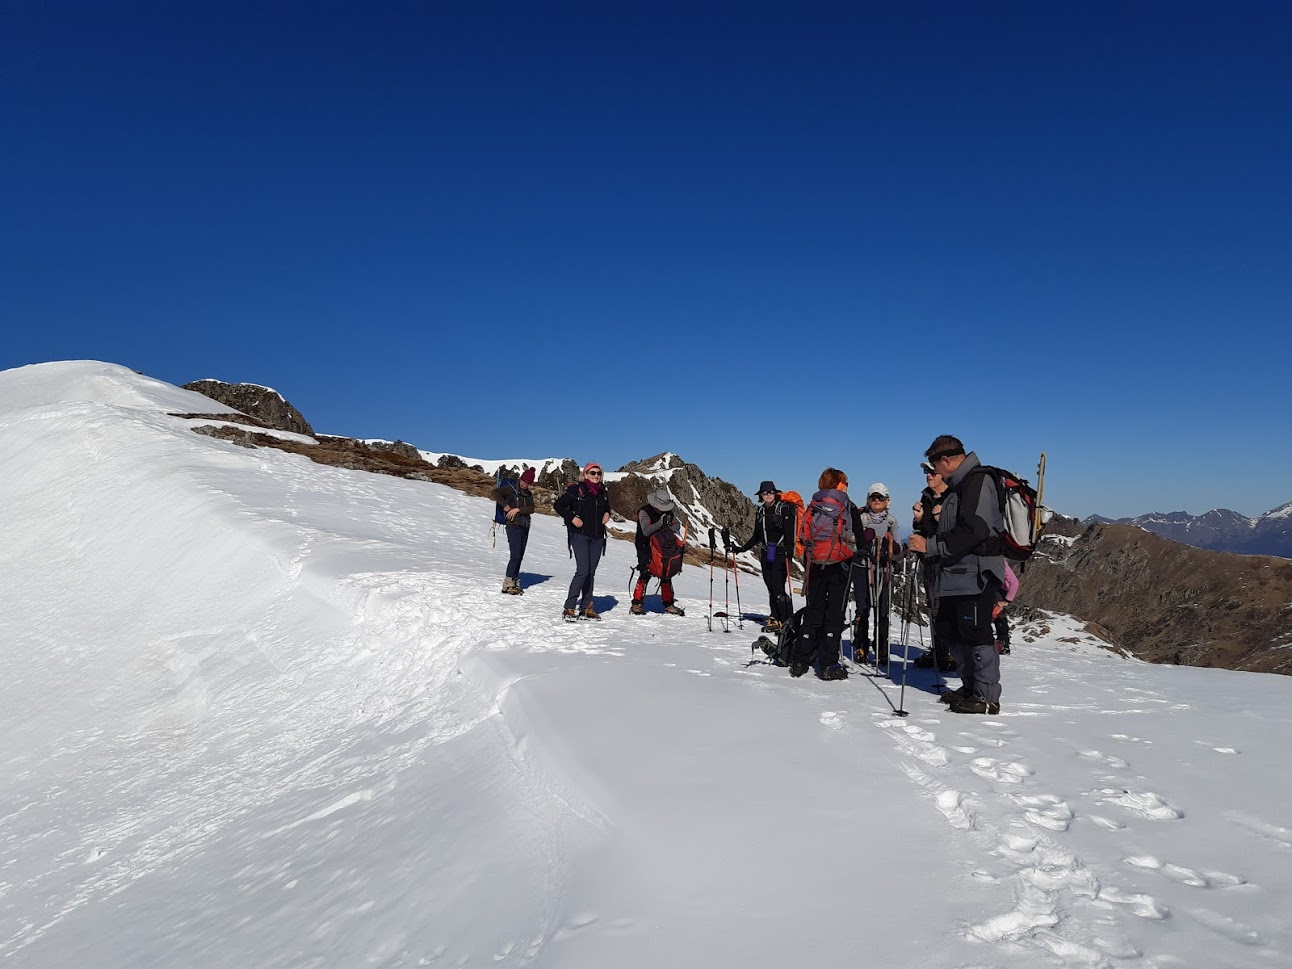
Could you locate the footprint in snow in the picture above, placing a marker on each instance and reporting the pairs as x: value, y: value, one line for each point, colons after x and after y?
x: 1045, y: 810
x: 951, y: 804
x: 1146, y: 804
x: 573, y: 925
x: 1219, y: 750
x: 1255, y: 825
x: 983, y: 741
x: 1129, y: 739
x: 1102, y: 758
x: 1177, y: 873
x: 1108, y: 824
x: 1003, y: 772
x: 1145, y: 906
x: 1231, y: 929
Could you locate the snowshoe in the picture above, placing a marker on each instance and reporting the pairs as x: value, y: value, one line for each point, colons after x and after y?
x: 637, y: 609
x: 835, y: 672
x: 674, y: 610
x: 569, y: 615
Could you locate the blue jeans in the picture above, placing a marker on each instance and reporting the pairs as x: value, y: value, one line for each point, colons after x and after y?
x: 587, y: 553
x: 517, y: 539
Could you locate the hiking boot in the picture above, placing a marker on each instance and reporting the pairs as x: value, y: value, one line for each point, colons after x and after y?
x: 974, y: 704
x: 674, y: 610
x: 569, y: 615
x: 636, y: 609
x: 924, y: 662
x: 947, y: 666
x: 951, y: 696
x: 835, y: 672
x: 590, y: 613
x: 798, y: 669
x: 1002, y: 648
x: 511, y: 587
x: 773, y: 626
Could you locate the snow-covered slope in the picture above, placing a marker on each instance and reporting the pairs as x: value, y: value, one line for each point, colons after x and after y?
x: 261, y: 712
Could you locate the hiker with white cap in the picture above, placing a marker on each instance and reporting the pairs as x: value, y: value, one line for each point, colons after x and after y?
x: 878, y: 546
x: 661, y: 540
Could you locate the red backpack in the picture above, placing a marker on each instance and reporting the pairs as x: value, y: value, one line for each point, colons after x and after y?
x: 826, y: 531
x: 665, y: 554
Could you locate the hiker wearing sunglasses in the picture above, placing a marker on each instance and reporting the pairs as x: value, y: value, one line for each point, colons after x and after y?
x: 774, y: 524
x: 872, y: 574
x: 585, y: 509
x: 925, y: 522
x: 965, y: 551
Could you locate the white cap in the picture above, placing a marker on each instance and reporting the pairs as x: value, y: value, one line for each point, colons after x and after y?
x: 878, y: 488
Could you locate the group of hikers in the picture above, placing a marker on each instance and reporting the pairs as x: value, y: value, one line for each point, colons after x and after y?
x: 958, y: 534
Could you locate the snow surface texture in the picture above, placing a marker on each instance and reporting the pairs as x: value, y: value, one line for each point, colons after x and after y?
x: 261, y: 712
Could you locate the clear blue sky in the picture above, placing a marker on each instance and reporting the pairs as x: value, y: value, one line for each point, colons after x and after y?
x: 769, y: 237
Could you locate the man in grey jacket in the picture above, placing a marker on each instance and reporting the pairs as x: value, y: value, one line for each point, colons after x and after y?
x: 965, y: 553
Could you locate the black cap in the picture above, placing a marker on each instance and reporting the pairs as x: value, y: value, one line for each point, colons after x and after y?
x: 767, y: 488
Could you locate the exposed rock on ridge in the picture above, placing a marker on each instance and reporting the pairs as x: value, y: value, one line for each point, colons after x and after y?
x: 1167, y: 602
x: 259, y: 402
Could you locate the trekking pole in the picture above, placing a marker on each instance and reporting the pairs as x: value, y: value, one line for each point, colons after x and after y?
x: 726, y: 574
x: 735, y: 569
x: 906, y: 649
x: 875, y: 602
x: 712, y: 552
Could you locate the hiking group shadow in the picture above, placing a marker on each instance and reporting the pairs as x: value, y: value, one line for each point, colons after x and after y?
x: 928, y: 680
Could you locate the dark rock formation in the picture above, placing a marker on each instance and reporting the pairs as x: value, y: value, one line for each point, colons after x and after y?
x: 259, y: 402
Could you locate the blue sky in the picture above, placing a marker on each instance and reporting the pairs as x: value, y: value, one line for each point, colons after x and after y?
x: 768, y: 237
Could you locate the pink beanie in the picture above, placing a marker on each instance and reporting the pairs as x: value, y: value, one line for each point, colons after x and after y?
x: 590, y: 465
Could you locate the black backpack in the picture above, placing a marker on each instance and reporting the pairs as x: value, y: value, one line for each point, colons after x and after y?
x: 781, y: 651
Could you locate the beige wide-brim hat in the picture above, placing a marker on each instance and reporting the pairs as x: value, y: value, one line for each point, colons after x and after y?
x: 660, y: 500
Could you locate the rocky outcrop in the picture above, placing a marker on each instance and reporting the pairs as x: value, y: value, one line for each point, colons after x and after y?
x: 267, y: 406
x: 1164, y: 601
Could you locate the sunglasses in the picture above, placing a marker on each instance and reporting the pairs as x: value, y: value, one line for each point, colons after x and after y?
x: 935, y: 458
x: 594, y: 474
x: 879, y: 497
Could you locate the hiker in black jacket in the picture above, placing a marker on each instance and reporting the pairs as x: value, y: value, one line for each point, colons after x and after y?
x: 585, y: 508
x: 925, y: 523
x: 774, y: 526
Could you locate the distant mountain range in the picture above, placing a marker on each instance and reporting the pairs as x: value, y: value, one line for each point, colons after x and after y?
x: 1220, y: 529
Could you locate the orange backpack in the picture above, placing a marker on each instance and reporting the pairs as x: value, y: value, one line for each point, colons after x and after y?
x: 795, y: 501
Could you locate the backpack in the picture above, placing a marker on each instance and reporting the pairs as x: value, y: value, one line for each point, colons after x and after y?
x: 780, y: 651
x: 500, y: 511
x: 1024, y: 518
x: 826, y: 531
x: 795, y: 501
x: 665, y: 554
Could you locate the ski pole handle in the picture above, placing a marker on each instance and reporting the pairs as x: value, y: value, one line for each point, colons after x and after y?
x: 712, y: 540
x: 726, y: 539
